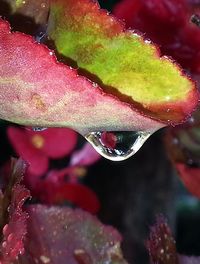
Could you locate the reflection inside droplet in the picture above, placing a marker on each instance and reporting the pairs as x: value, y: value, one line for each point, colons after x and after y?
x: 117, y: 146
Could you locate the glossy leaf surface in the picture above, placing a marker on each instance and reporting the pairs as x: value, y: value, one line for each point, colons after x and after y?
x: 124, y: 64
x: 36, y: 90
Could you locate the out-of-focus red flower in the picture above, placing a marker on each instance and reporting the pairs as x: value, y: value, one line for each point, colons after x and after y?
x: 57, y: 186
x: 73, y: 193
x: 38, y: 147
x: 69, y: 174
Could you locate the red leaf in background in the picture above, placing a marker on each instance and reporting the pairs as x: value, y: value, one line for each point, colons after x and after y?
x: 37, y: 147
x: 161, y: 244
x: 85, y: 157
x: 190, y: 177
x: 62, y: 235
x: 13, y: 218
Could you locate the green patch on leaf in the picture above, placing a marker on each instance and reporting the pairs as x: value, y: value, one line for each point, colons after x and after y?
x: 37, y: 90
x: 122, y: 61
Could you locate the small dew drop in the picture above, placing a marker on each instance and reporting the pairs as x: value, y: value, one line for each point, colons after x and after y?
x: 43, y: 5
x: 147, y: 41
x: 4, y: 244
x: 191, y: 120
x: 10, y: 237
x: 167, y: 98
x: 38, y: 129
x: 195, y: 19
x: 95, y: 85
x: 5, y: 229
x: 162, y: 251
x: 117, y: 146
x: 45, y: 259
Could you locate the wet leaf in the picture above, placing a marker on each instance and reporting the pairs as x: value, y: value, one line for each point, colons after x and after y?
x: 124, y: 64
x: 36, y: 90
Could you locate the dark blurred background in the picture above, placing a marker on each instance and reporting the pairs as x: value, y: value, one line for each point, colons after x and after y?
x: 134, y: 191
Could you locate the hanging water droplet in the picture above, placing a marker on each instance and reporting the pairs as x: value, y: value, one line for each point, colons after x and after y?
x: 38, y: 129
x: 117, y: 146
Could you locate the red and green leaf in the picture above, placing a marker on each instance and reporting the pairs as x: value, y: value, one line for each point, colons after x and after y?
x: 122, y: 61
x: 37, y: 90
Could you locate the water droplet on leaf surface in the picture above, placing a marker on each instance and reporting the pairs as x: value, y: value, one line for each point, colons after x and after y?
x: 117, y: 146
